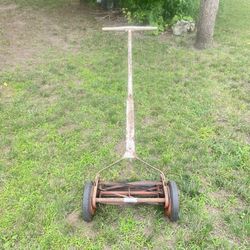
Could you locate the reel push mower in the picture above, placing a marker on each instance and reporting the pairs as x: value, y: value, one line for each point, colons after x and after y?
x: 160, y: 192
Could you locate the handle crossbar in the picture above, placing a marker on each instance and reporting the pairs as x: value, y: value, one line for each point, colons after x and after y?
x: 127, y: 28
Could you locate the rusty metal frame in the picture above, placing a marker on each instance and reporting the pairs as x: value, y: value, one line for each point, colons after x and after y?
x: 116, y: 193
x: 151, y: 192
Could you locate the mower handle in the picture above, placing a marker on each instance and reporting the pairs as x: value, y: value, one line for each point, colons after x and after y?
x: 130, y: 123
x: 127, y: 28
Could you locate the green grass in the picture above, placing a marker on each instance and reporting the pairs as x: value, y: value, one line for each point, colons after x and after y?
x: 63, y: 117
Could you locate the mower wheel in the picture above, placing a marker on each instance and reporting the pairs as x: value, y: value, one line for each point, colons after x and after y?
x: 173, y: 209
x: 88, y: 210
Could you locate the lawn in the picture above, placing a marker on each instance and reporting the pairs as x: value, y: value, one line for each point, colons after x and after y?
x: 62, y: 111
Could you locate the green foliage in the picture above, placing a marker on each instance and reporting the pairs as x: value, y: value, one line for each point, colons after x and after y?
x: 160, y: 12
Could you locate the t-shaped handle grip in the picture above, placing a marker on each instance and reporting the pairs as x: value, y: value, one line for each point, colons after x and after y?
x: 127, y: 28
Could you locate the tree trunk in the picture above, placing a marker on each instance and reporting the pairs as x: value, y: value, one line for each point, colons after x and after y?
x: 206, y: 23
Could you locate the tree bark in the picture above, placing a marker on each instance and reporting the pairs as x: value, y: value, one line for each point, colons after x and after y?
x: 206, y: 23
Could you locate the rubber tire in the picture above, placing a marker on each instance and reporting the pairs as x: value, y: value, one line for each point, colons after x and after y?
x: 174, y: 199
x: 87, y: 214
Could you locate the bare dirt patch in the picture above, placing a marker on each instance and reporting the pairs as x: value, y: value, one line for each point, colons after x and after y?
x: 220, y: 228
x: 226, y: 201
x: 26, y: 34
x: 67, y: 128
x: 147, y: 121
x: 74, y: 219
x: 220, y: 195
x: 8, y: 7
x: 226, y: 198
x: 120, y: 147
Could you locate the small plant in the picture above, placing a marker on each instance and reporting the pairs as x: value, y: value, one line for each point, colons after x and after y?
x: 160, y: 13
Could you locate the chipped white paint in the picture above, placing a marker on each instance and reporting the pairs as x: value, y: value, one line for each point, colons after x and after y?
x: 131, y: 28
x: 130, y: 200
x: 130, y: 117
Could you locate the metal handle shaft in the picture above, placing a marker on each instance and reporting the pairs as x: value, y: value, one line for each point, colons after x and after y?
x: 130, y: 120
x: 127, y: 28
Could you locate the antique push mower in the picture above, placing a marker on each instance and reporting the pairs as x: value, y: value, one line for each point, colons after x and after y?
x: 160, y: 192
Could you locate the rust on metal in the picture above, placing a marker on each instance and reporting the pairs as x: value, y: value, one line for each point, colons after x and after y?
x: 134, y: 183
x: 167, y: 209
x: 124, y: 200
x: 165, y: 189
x: 130, y: 192
x: 95, y: 191
x: 92, y: 208
x: 152, y: 192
